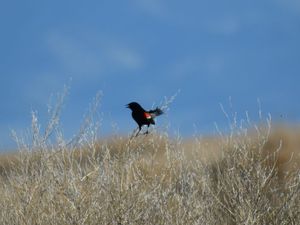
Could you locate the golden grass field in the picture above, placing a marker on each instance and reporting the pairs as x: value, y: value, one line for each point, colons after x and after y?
x: 247, y: 177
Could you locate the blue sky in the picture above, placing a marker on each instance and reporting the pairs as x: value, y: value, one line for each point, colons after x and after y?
x: 143, y: 50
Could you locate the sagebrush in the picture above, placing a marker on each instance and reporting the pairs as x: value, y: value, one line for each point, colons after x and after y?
x: 241, y: 178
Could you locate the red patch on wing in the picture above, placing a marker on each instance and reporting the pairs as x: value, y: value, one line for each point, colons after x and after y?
x: 147, y: 115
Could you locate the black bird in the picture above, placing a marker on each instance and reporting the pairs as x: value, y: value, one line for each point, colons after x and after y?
x: 143, y: 117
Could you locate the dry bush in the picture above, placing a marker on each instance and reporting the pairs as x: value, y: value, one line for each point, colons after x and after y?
x: 152, y: 179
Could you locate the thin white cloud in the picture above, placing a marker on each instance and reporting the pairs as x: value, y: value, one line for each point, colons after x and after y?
x: 209, y: 66
x: 73, y: 55
x: 293, y: 5
x: 124, y: 57
x: 215, y: 64
x: 185, y: 67
x: 154, y: 8
x: 224, y: 26
x: 90, y: 57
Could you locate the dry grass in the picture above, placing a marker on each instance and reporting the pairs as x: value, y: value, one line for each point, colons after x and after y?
x: 154, y: 180
x: 242, y: 178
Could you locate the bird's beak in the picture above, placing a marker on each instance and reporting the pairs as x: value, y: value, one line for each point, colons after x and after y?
x: 127, y: 106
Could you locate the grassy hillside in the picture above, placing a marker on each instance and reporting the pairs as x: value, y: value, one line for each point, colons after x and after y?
x: 249, y: 176
x: 243, y: 178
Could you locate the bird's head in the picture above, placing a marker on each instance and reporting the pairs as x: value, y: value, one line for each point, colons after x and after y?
x: 133, y: 105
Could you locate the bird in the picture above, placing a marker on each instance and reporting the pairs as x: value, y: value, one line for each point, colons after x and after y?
x: 143, y: 117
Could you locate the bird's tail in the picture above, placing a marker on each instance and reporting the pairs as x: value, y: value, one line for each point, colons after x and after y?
x: 156, y: 112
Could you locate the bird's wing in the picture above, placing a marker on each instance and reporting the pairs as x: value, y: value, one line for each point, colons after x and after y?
x: 147, y: 115
x: 156, y: 112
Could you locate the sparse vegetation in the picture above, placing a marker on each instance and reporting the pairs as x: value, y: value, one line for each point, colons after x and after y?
x: 250, y: 176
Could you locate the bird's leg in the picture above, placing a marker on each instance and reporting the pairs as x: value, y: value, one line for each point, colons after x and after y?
x: 147, y: 131
x: 138, y: 131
